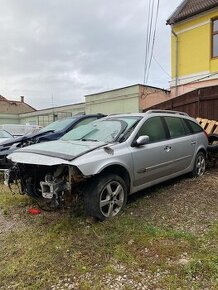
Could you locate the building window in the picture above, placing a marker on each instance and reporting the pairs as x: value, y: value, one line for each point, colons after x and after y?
x: 215, y: 38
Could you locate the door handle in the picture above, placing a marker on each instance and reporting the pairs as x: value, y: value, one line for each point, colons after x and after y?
x: 167, y: 148
x: 193, y: 142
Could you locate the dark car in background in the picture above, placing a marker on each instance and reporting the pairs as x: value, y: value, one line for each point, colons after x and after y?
x: 52, y: 132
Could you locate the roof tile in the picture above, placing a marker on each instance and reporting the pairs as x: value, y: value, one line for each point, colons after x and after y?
x: 190, y: 8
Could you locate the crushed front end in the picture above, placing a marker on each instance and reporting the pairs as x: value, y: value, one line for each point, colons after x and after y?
x: 53, y: 186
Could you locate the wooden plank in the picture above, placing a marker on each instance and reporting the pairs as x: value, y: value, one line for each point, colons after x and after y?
x: 216, y: 130
x: 207, y: 98
x: 204, y: 123
x: 199, y: 120
x: 210, y: 127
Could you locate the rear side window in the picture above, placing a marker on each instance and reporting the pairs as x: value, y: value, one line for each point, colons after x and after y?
x: 176, y: 127
x: 154, y: 129
x: 194, y: 127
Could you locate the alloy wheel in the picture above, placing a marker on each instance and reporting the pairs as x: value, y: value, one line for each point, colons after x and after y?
x: 112, y: 199
x: 200, y: 165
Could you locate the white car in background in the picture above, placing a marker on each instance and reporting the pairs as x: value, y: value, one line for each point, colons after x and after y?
x: 5, y: 135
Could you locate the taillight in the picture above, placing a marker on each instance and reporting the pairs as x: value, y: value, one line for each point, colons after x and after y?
x: 205, y: 133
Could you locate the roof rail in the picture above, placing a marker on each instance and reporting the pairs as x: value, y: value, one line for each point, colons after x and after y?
x: 120, y: 113
x: 167, y: 112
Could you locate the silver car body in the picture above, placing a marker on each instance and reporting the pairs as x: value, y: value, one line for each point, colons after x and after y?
x: 146, y: 165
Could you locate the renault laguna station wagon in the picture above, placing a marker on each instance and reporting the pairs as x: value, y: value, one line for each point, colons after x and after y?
x: 111, y: 158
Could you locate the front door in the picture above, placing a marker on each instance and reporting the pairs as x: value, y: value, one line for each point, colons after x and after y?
x: 152, y: 161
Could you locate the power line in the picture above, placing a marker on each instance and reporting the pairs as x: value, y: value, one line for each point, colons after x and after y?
x: 161, y: 67
x: 200, y: 79
x: 147, y: 43
x: 154, y: 35
x: 152, y: 16
x: 207, y: 76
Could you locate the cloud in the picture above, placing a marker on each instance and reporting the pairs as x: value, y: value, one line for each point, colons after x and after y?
x: 69, y: 48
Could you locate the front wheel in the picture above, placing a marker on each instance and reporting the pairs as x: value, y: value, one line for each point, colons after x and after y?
x: 199, y: 166
x: 105, y: 197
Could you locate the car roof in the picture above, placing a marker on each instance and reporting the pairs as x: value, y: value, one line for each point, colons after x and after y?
x: 100, y: 115
x: 151, y: 112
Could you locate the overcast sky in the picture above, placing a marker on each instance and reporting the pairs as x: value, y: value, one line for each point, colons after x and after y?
x: 65, y: 49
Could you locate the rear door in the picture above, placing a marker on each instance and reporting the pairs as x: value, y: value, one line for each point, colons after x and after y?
x: 182, y: 143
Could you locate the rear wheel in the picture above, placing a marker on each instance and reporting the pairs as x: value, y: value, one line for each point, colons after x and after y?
x: 199, y: 166
x: 106, y: 197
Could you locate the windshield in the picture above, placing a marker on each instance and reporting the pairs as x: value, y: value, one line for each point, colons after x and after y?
x: 58, y: 125
x: 5, y: 134
x: 107, y: 130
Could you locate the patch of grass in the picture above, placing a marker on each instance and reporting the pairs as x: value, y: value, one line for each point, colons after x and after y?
x: 52, y: 247
x: 9, y: 200
x: 206, y: 267
x: 69, y: 246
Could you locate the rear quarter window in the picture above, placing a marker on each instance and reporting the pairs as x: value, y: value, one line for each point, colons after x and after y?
x: 194, y: 127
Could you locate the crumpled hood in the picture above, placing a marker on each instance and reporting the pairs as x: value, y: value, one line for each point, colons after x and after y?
x: 25, y: 138
x: 2, y: 140
x: 50, y: 153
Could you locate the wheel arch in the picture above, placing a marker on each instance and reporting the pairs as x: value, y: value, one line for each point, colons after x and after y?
x: 196, y: 171
x: 203, y: 150
x: 200, y: 149
x: 120, y: 171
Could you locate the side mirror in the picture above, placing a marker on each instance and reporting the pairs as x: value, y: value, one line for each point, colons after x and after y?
x: 142, y: 140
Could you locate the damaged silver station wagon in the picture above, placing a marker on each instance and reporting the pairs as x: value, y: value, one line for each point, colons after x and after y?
x: 111, y: 158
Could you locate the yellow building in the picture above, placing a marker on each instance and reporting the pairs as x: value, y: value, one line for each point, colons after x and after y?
x: 194, y: 45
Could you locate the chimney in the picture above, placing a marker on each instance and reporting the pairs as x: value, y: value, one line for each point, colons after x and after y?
x: 22, y: 99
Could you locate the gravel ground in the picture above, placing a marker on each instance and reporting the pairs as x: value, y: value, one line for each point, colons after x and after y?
x: 6, y: 225
x: 183, y: 204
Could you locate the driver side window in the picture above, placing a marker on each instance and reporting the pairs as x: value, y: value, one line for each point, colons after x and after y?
x: 154, y: 129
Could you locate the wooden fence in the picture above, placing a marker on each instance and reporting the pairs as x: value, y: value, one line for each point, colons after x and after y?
x: 202, y: 102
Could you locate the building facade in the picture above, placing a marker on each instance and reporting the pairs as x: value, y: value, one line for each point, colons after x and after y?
x: 129, y: 99
x: 194, y: 45
x: 47, y: 116
x: 10, y: 110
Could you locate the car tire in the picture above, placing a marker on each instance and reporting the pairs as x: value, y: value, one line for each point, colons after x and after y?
x: 105, y: 196
x: 199, y: 165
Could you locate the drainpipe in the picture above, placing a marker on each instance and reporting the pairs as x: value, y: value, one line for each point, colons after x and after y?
x: 177, y: 61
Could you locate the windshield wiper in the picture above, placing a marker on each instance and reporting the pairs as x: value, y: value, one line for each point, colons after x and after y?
x: 89, y: 139
x: 48, y: 131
